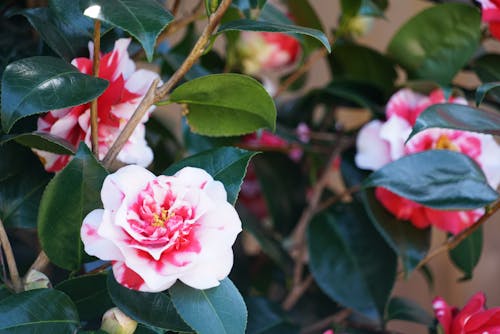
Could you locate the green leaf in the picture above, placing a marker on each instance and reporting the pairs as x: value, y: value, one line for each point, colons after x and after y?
x: 265, y: 317
x: 404, y: 309
x: 487, y: 67
x: 304, y: 14
x: 22, y: 181
x: 467, y: 254
x: 251, y: 25
x: 34, y: 85
x: 68, y: 198
x: 63, y: 27
x: 226, y: 164
x: 216, y: 310
x: 350, y: 262
x: 213, y: 110
x: 361, y: 94
x: 5, y: 292
x: 459, y: 117
x: 410, y: 243
x: 153, y: 309
x: 350, y: 7
x: 424, y: 53
x: 143, y: 19
x: 89, y: 293
x: 42, y: 141
x: 38, y: 311
x: 362, y: 64
x: 484, y: 89
x: 439, y: 179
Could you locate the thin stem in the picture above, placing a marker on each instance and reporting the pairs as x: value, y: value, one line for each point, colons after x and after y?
x: 11, y: 261
x: 155, y: 94
x: 102, y: 267
x: 294, y: 296
x: 175, y: 7
x: 41, y: 262
x: 94, y: 126
x: 324, y: 323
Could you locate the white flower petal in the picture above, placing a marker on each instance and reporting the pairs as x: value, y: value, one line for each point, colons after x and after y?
x: 395, y: 131
x: 94, y: 243
x: 372, y: 151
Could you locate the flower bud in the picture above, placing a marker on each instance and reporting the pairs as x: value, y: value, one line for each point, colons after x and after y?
x: 36, y: 280
x: 115, y: 321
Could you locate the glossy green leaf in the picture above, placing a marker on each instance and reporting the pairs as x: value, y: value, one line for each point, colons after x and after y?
x: 5, y: 292
x: 460, y: 117
x: 226, y: 164
x: 404, y: 309
x: 265, y: 317
x: 89, y: 294
x: 68, y: 198
x: 456, y: 181
x: 304, y: 14
x: 362, y: 64
x: 34, y: 85
x: 361, y: 94
x: 350, y: 7
x: 153, y: 309
x: 350, y: 262
x: 483, y: 90
x: 38, y: 311
x: 487, y: 67
x: 410, y: 243
x: 467, y: 254
x: 251, y: 25
x: 63, y: 27
x: 214, y: 111
x: 439, y: 56
x: 42, y: 141
x: 216, y: 310
x: 22, y: 181
x: 143, y: 19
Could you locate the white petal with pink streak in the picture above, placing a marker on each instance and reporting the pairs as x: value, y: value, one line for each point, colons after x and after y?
x: 94, y: 243
x: 372, y: 151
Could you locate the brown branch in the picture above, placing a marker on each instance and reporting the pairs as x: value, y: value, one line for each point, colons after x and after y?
x: 11, y: 261
x: 102, y: 267
x: 41, y: 263
x: 155, y: 94
x: 455, y: 240
x: 297, y: 292
x: 334, y: 199
x: 94, y: 127
x: 175, y: 7
x: 324, y: 323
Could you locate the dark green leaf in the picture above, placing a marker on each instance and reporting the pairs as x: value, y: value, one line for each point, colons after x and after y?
x: 304, y: 14
x: 362, y: 64
x: 214, y: 111
x: 5, y: 292
x: 226, y: 164
x: 373, y: 8
x: 143, y: 329
x: 89, y: 293
x: 362, y: 94
x: 251, y: 25
x: 467, y: 254
x: 42, y: 141
x: 216, y: 310
x: 404, y: 309
x: 143, y: 19
x: 350, y: 7
x: 487, y: 67
x: 265, y: 317
x: 350, y: 262
x: 34, y: 85
x: 425, y: 54
x: 460, y: 117
x: 38, y: 311
x: 409, y: 242
x: 440, y: 179
x: 22, y: 180
x: 154, y: 309
x: 484, y: 89
x: 68, y: 198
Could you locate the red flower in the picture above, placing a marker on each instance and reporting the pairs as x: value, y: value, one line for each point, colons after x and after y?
x: 473, y: 318
x: 491, y: 15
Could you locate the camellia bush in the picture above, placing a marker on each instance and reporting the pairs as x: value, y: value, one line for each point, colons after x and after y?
x: 260, y: 211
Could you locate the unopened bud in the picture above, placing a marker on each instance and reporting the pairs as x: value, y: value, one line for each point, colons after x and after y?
x: 36, y: 280
x: 115, y: 321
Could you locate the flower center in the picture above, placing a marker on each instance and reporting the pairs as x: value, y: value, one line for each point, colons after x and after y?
x: 160, y: 220
x: 444, y: 143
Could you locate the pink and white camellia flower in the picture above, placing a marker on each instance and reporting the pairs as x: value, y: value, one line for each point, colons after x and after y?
x: 473, y: 318
x: 379, y: 143
x: 491, y: 15
x: 157, y: 230
x: 127, y: 86
x: 267, y: 51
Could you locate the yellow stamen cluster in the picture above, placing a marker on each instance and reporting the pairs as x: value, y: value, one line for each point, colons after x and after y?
x: 444, y: 143
x: 159, y: 220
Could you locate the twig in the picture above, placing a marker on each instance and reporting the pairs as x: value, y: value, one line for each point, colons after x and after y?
x: 94, y: 127
x: 156, y: 94
x: 454, y: 241
x: 334, y: 199
x: 102, y: 267
x: 336, y: 318
x: 11, y: 261
x: 297, y: 292
x: 175, y: 7
x: 41, y: 263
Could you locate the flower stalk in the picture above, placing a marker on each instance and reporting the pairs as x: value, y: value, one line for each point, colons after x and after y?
x: 94, y: 130
x: 17, y: 284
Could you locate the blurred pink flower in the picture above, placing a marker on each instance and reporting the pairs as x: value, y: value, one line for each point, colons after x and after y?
x: 126, y: 88
x: 157, y: 230
x: 491, y: 15
x: 379, y: 143
x: 330, y: 331
x: 473, y: 318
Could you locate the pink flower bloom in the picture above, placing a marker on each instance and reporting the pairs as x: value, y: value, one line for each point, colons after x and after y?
x: 491, y: 15
x: 157, y: 230
x: 379, y: 143
x: 330, y: 331
x: 474, y: 318
x: 126, y: 88
x: 267, y: 51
